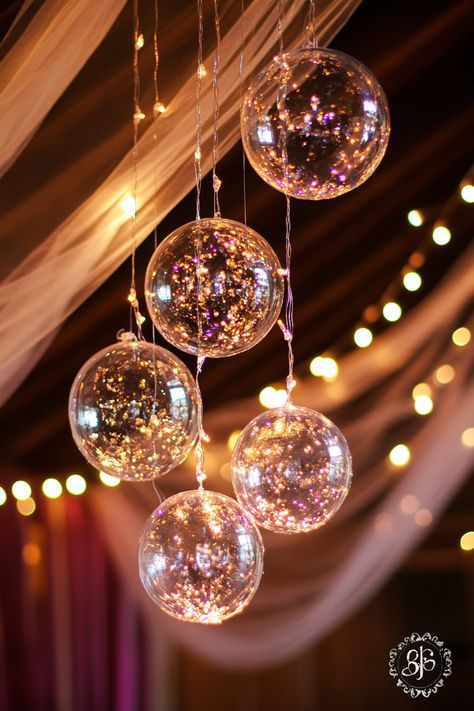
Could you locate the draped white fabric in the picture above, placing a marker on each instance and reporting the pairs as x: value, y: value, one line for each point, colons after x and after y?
x: 315, y: 581
x: 55, y: 278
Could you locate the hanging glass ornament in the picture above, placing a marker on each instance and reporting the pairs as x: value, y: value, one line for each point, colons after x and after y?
x: 330, y: 113
x: 132, y: 410
x: 291, y: 469
x: 200, y: 557
x: 233, y: 301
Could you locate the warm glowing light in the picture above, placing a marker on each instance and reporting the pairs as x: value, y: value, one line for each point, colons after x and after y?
x: 159, y: 108
x: 441, y: 235
x: 363, y: 337
x: 392, y: 311
x: 409, y: 504
x: 270, y: 397
x: 421, y: 389
x: 226, y: 471
x: 324, y: 367
x: 202, y: 71
x: 417, y: 260
x: 129, y: 205
x: 415, y: 218
x: 423, y: 518
x: 21, y: 490
x: 467, y: 437
x: 108, y: 479
x: 140, y: 42
x: 31, y: 554
x: 461, y: 336
x: 76, y: 484
x: 232, y: 439
x: 26, y: 506
x: 400, y: 455
x: 412, y: 281
x: 423, y: 405
x: 466, y: 541
x: 3, y: 495
x: 467, y: 193
x: 52, y: 488
x: 444, y: 374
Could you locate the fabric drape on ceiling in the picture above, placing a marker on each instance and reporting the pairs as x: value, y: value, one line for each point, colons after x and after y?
x: 50, y: 267
x: 314, y: 581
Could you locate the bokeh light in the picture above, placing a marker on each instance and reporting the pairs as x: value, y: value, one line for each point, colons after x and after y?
x: 412, y: 281
x: 363, y: 337
x: 423, y: 405
x: 400, y: 455
x: 466, y: 541
x: 270, y: 397
x: 415, y: 218
x: 76, y: 484
x: 441, y: 235
x: 444, y: 374
x: 21, y: 490
x: 3, y: 495
x: 52, y: 488
x: 392, y: 311
x: 108, y: 479
x: 26, y: 507
x: 467, y: 193
x: 461, y: 336
x: 467, y: 437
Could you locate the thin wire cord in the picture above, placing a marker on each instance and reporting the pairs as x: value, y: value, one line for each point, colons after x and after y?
x: 241, y: 79
x: 201, y: 435
x: 216, y: 182
x: 287, y: 327
x: 310, y: 29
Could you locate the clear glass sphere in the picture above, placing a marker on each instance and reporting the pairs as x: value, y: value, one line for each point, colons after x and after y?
x: 200, y: 557
x: 333, y: 113
x: 132, y: 410
x: 291, y: 469
x: 240, y: 290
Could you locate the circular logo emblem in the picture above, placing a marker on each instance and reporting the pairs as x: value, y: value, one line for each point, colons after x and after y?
x: 420, y: 664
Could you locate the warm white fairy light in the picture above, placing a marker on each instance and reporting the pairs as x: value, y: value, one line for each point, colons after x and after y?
x: 324, y: 367
x: 467, y: 193
x: 21, y: 490
x: 400, y: 455
x: 392, y: 311
x: 415, y: 218
x: 26, y: 507
x: 129, y: 205
x: 232, y: 439
x: 461, y: 336
x: 441, y: 235
x: 421, y: 389
x: 467, y: 437
x: 423, y: 404
x: 108, y: 479
x: 466, y: 542
x: 3, y: 495
x: 52, y: 488
x: 412, y: 281
x: 363, y: 337
x: 270, y: 397
x: 76, y: 484
x: 444, y: 374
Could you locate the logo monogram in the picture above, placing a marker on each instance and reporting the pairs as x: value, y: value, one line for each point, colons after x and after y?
x: 420, y: 664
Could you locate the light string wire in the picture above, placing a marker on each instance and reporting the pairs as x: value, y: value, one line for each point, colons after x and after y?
x: 241, y: 84
x: 201, y: 434
x: 216, y: 182
x: 310, y: 29
x: 287, y: 326
x: 138, y: 116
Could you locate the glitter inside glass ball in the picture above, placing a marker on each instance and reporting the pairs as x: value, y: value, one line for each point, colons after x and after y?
x: 333, y: 114
x: 291, y: 469
x: 240, y: 288
x: 200, y: 557
x: 132, y: 410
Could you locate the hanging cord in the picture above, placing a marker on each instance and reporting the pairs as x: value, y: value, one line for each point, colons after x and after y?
x: 138, y: 116
x: 287, y: 326
x: 201, y: 434
x: 241, y: 79
x: 216, y: 181
x: 310, y: 29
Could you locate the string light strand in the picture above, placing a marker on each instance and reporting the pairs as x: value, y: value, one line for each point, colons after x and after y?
x: 216, y: 181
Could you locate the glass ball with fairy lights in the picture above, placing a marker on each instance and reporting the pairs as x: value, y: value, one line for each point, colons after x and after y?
x: 132, y: 410
x: 291, y: 469
x: 315, y: 123
x: 200, y: 557
x: 214, y: 287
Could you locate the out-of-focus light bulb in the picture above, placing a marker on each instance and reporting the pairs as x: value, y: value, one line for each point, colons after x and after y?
x: 270, y: 397
x: 415, y: 218
x: 423, y: 405
x: 31, y: 554
x: 392, y: 311
x: 467, y: 193
x: 409, y: 504
x: 108, y: 479
x: 423, y: 518
x: 232, y: 439
x: 76, y: 484
x: 466, y: 541
x: 363, y: 337
x: 202, y: 71
x: 441, y: 235
x: 412, y: 281
x: 140, y: 41
x: 467, y: 437
x: 3, y: 495
x: 461, y: 336
x: 400, y: 455
x: 26, y: 507
x: 52, y: 488
x: 421, y: 389
x: 21, y: 490
x: 324, y: 367
x: 444, y: 374
x: 129, y: 205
